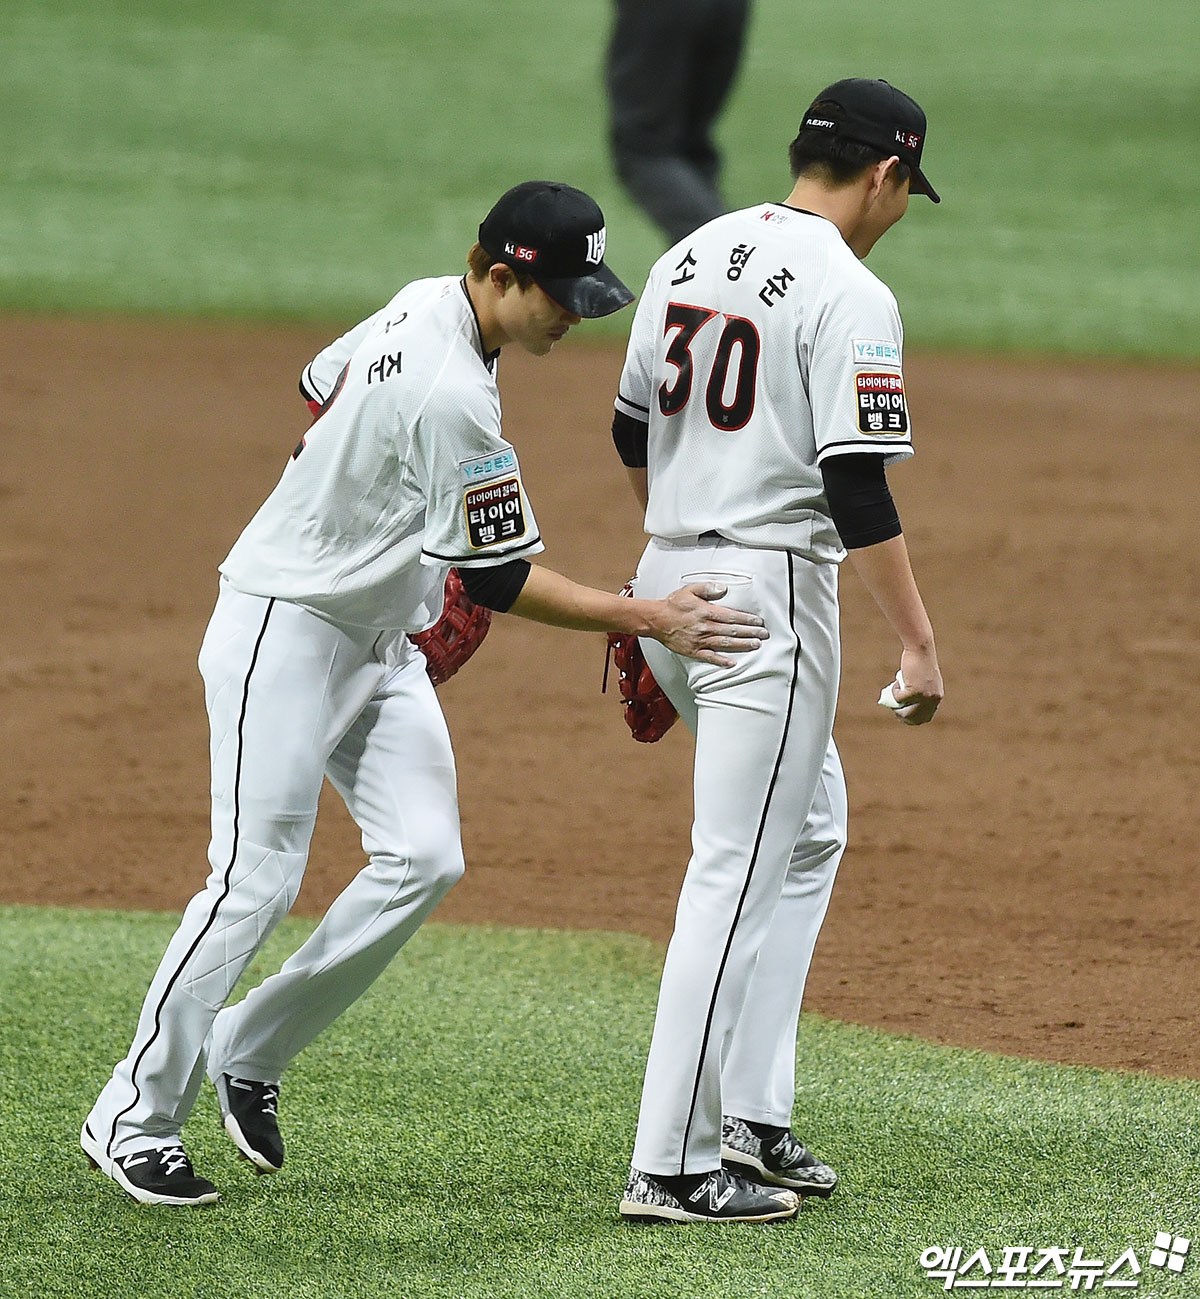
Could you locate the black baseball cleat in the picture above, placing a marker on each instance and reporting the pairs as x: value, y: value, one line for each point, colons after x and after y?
x: 775, y: 1156
x: 720, y: 1196
x: 251, y: 1113
x: 160, y: 1176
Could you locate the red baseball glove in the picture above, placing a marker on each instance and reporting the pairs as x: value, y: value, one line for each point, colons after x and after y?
x: 456, y: 635
x: 649, y: 714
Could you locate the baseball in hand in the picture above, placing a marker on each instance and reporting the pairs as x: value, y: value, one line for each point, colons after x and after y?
x: 887, y: 697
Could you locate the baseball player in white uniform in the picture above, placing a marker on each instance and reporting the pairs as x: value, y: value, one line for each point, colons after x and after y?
x: 309, y: 672
x: 761, y: 399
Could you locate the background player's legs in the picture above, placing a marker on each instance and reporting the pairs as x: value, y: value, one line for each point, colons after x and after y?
x: 762, y: 732
x: 672, y: 192
x: 281, y: 686
x: 759, y: 1079
x: 668, y: 70
x: 715, y: 57
x: 395, y: 769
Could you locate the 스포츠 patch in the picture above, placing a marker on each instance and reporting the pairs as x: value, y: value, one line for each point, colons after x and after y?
x: 875, y: 351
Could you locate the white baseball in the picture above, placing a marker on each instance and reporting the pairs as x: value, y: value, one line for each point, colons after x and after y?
x: 887, y: 696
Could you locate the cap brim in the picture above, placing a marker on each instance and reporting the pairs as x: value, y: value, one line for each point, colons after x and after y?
x: 919, y: 184
x: 590, y: 296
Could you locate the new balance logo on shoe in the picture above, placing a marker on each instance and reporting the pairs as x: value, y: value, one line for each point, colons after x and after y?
x: 778, y: 1159
x: 780, y: 1148
x: 163, y: 1176
x: 718, y: 1196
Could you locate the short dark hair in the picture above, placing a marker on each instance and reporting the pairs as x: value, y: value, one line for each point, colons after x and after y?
x: 480, y: 261
x: 838, y: 160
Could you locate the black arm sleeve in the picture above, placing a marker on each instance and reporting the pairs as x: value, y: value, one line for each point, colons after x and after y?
x: 496, y: 587
x: 629, y: 437
x: 859, y: 501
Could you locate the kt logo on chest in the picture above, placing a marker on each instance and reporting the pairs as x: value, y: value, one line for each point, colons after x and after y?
x: 494, y: 513
x: 880, y: 401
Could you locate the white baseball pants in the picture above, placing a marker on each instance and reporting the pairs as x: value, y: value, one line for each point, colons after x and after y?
x: 291, y: 698
x: 768, y: 834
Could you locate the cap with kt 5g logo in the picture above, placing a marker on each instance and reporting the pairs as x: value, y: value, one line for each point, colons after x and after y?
x: 876, y: 114
x: 556, y: 234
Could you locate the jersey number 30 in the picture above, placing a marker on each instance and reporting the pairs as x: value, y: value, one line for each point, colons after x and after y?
x: 738, y: 333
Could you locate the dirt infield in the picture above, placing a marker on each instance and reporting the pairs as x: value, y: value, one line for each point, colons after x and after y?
x: 1022, y: 874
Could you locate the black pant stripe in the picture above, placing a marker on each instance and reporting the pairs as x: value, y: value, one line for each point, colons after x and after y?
x: 762, y: 824
x: 212, y: 917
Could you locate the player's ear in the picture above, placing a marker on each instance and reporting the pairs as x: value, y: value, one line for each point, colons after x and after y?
x: 882, y: 175
x: 501, y: 278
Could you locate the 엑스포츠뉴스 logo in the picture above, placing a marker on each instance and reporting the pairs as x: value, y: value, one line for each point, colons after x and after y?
x: 1057, y: 1267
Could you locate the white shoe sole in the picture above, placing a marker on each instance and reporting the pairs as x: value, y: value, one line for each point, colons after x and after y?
x: 634, y: 1211
x: 760, y: 1173
x: 102, y: 1164
x: 246, y: 1150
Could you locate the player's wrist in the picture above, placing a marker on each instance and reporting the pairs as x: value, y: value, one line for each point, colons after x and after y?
x: 642, y: 617
x: 921, y: 644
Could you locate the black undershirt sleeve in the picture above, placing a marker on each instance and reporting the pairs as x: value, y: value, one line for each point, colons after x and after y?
x: 855, y: 486
x: 498, y: 586
x: 629, y: 437
x: 859, y: 500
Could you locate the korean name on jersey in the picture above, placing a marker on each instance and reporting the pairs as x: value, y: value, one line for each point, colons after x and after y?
x: 761, y: 347
x: 404, y: 474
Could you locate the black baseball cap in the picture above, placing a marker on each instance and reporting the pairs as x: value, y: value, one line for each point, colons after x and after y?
x: 876, y: 114
x: 555, y: 234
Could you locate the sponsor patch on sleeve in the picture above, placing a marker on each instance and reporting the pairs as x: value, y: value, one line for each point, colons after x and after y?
x: 875, y: 351
x: 482, y: 468
x: 879, y: 396
x: 495, y: 513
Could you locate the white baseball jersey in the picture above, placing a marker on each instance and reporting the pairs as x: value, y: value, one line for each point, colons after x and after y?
x: 780, y: 349
x: 404, y: 474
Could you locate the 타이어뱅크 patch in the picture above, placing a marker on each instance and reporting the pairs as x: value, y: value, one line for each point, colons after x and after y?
x: 495, y: 513
x: 879, y: 398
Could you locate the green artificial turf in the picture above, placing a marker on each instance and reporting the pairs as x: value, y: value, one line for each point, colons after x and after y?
x: 464, y: 1131
x: 289, y: 159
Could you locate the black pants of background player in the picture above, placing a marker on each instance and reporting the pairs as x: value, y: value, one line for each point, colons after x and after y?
x: 670, y: 66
